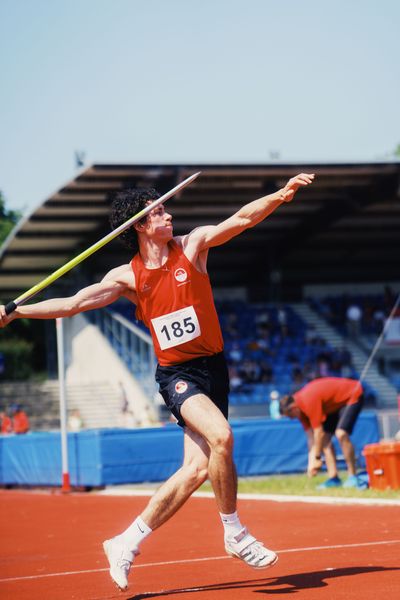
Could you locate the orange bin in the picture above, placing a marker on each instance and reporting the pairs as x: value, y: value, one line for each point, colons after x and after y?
x: 383, y: 465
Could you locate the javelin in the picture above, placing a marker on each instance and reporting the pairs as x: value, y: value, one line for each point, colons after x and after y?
x: 11, y: 306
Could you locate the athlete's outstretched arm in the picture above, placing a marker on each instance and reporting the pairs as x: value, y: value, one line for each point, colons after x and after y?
x: 246, y: 217
x: 94, y: 296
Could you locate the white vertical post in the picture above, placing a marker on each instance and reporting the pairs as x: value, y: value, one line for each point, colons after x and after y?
x: 66, y: 487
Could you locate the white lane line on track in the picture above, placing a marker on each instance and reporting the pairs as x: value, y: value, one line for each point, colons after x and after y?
x: 195, y: 560
x: 116, y: 491
x: 273, y: 497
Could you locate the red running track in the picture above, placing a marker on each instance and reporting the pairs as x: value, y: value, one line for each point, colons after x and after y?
x: 51, y: 548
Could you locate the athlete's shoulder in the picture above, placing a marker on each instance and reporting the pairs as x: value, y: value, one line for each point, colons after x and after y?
x: 190, y: 249
x: 190, y: 239
x: 122, y: 274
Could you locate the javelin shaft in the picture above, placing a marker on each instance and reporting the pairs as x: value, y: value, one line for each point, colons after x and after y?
x: 11, y: 306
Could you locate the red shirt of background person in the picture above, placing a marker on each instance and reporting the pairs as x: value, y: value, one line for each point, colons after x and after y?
x: 6, y: 426
x: 325, y: 396
x: 20, y: 421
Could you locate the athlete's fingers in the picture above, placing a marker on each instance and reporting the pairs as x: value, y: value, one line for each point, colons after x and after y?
x: 300, y: 180
x: 304, y: 178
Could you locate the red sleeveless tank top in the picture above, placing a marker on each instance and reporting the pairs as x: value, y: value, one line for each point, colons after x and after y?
x: 176, y: 303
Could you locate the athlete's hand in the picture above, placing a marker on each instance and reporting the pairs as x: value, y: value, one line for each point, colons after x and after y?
x: 4, y: 319
x: 314, y: 465
x: 294, y: 183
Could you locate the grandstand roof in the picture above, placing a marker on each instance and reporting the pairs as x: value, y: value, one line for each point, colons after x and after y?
x: 344, y: 228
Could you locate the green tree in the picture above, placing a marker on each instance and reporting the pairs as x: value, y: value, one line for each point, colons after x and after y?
x: 8, y: 218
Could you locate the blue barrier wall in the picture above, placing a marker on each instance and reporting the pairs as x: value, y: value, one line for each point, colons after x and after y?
x: 101, y: 457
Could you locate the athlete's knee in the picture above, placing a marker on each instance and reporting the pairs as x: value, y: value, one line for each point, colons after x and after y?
x: 223, y: 440
x: 342, y: 435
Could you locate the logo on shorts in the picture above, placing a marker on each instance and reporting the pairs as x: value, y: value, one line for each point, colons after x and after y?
x: 180, y: 274
x: 181, y: 387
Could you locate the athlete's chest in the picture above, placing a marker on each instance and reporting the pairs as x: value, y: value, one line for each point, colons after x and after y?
x: 174, y: 278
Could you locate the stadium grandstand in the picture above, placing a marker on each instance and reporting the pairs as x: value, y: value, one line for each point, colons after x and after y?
x: 282, y: 289
x: 345, y: 230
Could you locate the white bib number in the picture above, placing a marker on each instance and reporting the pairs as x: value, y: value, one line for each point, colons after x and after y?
x: 177, y: 327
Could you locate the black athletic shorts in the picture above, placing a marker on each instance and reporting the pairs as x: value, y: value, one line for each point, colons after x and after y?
x: 206, y: 375
x: 345, y: 418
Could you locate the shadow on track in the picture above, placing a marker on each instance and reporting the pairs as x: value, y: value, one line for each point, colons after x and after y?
x: 286, y: 584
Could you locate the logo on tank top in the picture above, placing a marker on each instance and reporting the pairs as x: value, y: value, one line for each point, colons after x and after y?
x: 180, y: 275
x: 181, y: 387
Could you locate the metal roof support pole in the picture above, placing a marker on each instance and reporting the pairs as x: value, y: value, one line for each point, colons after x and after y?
x: 66, y: 485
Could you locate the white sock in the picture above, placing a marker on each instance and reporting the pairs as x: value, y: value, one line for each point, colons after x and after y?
x: 231, y: 523
x: 135, y: 534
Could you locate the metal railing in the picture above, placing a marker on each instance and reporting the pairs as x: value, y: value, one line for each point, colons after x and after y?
x: 133, y: 346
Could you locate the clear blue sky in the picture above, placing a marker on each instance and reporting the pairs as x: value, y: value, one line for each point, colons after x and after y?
x: 149, y: 81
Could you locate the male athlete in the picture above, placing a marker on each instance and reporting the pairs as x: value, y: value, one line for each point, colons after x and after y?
x: 325, y: 407
x: 168, y: 281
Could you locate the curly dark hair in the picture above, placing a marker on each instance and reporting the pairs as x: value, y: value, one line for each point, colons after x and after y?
x: 125, y: 204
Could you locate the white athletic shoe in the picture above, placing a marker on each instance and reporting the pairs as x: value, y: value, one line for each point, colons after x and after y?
x: 120, y: 560
x: 247, y: 548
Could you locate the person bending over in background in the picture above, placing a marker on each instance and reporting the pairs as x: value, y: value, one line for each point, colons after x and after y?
x: 325, y: 407
x: 168, y: 281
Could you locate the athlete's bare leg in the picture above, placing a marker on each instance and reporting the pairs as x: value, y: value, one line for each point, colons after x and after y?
x: 201, y: 415
x: 330, y: 456
x: 348, y: 450
x: 172, y: 494
x: 208, y: 452
x: 121, y: 549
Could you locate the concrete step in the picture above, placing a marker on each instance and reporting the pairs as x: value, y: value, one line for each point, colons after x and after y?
x: 99, y: 404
